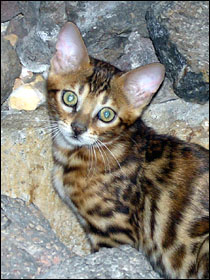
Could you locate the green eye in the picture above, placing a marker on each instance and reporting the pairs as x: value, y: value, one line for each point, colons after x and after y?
x: 69, y: 98
x: 106, y: 115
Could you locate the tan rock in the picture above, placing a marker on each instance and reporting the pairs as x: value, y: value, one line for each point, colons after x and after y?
x: 12, y: 38
x: 25, y: 97
x: 28, y: 96
x: 18, y: 83
x: 26, y: 163
x: 26, y: 74
x: 187, y: 121
x: 198, y: 134
x: 39, y: 82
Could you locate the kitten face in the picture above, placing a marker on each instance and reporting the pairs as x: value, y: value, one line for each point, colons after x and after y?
x: 92, y: 101
x: 89, y: 115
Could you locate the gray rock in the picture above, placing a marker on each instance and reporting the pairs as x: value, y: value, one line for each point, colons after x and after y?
x: 106, y: 32
x: 10, y: 68
x: 29, y: 247
x: 35, y: 49
x: 116, y: 263
x: 30, y: 11
x: 9, y: 9
x: 138, y: 51
x: 105, y: 38
x: 54, y: 9
x: 161, y: 115
x: 24, y: 22
x: 179, y: 31
x: 17, y: 26
x: 116, y: 17
x: 33, y: 52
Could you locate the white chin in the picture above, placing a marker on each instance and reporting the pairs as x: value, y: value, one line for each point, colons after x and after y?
x: 78, y: 142
x: 73, y: 141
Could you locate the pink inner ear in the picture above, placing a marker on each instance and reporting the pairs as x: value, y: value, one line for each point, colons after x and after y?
x: 71, y: 50
x: 141, y: 84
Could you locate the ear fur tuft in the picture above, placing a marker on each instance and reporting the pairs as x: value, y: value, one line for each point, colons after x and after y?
x: 71, y: 52
x: 140, y: 84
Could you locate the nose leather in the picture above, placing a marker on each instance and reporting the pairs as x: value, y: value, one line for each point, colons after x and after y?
x: 78, y: 128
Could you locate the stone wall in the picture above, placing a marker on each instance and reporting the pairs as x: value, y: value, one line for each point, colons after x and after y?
x: 115, y: 31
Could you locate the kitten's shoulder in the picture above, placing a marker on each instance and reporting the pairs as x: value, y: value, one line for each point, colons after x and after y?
x: 155, y: 141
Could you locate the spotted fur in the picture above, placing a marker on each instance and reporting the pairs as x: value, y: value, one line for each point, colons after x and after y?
x: 128, y: 184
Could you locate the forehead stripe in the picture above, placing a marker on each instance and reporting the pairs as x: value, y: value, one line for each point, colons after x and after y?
x: 105, y: 99
x: 81, y: 88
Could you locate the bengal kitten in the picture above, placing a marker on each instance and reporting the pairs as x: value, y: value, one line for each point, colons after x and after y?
x: 125, y: 183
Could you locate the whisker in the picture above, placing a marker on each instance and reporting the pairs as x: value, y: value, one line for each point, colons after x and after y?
x: 129, y: 137
x: 101, y: 155
x: 88, y: 160
x: 91, y: 153
x: 101, y: 148
x: 95, y: 158
x: 112, y: 155
x: 55, y: 133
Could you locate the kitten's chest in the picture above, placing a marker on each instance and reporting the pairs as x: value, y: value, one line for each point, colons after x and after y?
x: 70, y: 181
x: 75, y: 179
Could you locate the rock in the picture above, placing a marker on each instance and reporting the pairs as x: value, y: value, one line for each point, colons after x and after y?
x: 21, y: 24
x: 18, y: 82
x: 179, y: 31
x: 53, y: 9
x: 9, y: 9
x: 12, y: 38
x: 33, y: 52
x: 26, y: 75
x: 10, y: 68
x: 36, y: 48
x: 104, y: 36
x: 26, y: 164
x: 138, y: 51
x: 18, y: 27
x: 131, y: 14
x: 197, y: 134
x: 29, y: 247
x: 4, y: 26
x: 30, y: 11
x: 168, y: 114
x: 116, y: 263
x: 187, y: 121
x: 28, y: 96
x: 25, y: 98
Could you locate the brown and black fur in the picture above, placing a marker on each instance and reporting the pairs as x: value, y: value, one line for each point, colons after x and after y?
x: 155, y: 196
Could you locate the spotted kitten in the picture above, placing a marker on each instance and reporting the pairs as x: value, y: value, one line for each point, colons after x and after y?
x: 125, y: 183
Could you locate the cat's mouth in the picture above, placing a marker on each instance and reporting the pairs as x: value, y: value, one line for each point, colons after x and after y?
x: 77, y: 139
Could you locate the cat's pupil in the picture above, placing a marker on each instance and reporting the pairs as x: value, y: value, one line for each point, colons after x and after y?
x: 106, y: 114
x: 70, y: 98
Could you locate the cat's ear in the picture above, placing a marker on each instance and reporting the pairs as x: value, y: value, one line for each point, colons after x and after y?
x: 71, y: 52
x: 140, y: 84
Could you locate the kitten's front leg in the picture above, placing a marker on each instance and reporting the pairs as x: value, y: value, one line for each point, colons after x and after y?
x: 57, y: 179
x: 63, y: 192
x: 97, y: 243
x: 203, y: 260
